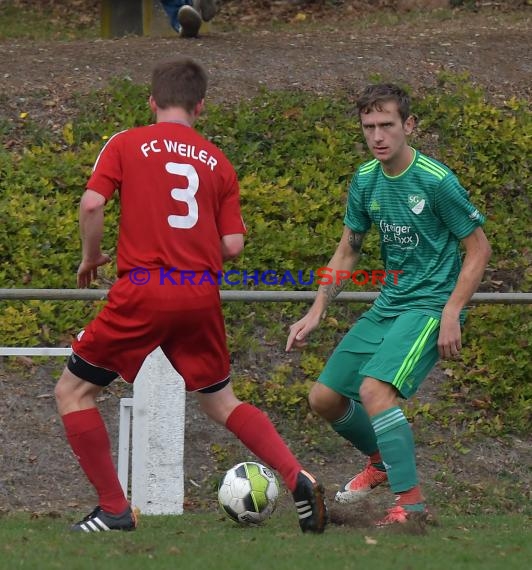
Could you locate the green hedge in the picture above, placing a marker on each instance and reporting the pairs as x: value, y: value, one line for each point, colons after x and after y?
x: 295, y: 154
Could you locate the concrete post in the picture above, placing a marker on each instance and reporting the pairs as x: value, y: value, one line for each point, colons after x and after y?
x: 158, y: 436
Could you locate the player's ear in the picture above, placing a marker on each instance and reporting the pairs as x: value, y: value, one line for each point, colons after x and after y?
x: 152, y: 104
x: 199, y: 108
x: 410, y: 124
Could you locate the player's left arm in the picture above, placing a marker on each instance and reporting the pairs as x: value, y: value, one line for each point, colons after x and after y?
x: 477, y: 255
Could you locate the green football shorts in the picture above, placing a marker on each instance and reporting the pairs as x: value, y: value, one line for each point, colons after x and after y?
x: 400, y: 350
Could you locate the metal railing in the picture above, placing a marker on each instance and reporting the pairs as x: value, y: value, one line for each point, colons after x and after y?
x: 250, y: 296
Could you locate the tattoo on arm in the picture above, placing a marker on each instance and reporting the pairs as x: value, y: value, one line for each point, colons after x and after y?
x: 330, y: 291
x: 355, y: 241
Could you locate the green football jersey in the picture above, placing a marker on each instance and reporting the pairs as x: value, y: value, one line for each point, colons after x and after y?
x: 421, y: 215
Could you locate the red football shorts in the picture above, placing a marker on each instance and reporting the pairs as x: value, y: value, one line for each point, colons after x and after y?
x: 186, y: 321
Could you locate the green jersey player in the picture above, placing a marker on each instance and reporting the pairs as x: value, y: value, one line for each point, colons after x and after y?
x: 423, y: 215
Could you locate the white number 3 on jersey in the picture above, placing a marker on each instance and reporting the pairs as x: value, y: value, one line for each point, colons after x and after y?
x: 184, y: 195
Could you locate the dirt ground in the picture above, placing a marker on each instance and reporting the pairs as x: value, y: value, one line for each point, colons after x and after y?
x: 326, y: 51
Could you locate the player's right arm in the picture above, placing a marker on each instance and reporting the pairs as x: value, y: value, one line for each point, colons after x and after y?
x: 91, y: 215
x: 339, y: 270
x: 232, y: 246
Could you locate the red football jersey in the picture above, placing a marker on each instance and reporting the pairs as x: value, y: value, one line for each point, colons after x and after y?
x: 179, y: 196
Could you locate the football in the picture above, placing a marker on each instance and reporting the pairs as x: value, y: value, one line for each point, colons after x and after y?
x: 248, y: 493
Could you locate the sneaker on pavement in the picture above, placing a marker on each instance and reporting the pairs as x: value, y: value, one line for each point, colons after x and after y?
x: 100, y: 521
x: 400, y: 515
x: 309, y: 497
x: 189, y: 21
x: 361, y: 485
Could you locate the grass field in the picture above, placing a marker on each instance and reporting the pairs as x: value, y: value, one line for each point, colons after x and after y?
x: 210, y: 541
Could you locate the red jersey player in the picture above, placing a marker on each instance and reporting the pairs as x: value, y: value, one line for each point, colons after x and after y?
x: 179, y: 220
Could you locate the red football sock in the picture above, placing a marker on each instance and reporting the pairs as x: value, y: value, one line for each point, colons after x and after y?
x: 255, y: 430
x: 375, y: 457
x: 89, y: 440
x: 411, y: 497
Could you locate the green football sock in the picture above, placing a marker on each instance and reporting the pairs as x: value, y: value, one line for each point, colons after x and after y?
x: 355, y: 426
x: 415, y: 508
x: 396, y: 444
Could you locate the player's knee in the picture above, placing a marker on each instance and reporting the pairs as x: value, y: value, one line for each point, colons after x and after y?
x: 377, y: 395
x: 314, y: 400
x: 218, y: 403
x: 63, y: 389
x: 73, y: 393
x: 325, y: 402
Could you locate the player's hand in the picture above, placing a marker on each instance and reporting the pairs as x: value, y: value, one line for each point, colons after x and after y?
x: 450, y: 339
x: 88, y: 270
x: 300, y: 330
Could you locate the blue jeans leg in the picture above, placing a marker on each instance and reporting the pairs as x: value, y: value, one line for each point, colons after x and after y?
x: 171, y: 7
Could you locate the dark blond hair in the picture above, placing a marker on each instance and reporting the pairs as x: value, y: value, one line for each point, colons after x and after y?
x: 374, y: 96
x: 178, y: 83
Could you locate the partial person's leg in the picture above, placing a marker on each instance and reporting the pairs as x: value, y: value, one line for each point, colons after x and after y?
x: 255, y: 430
x: 350, y: 420
x: 335, y: 397
x: 88, y: 437
x: 346, y: 416
x: 115, y: 343
x: 200, y: 355
x: 410, y: 349
x: 395, y: 440
x: 172, y: 7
